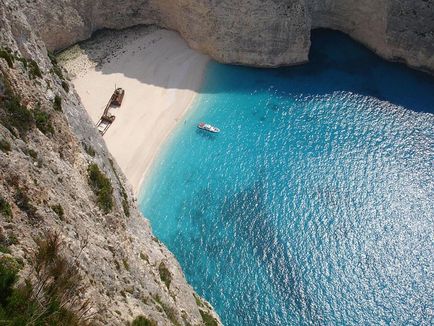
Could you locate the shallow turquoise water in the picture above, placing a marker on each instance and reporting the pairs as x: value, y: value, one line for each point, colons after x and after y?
x: 314, y: 205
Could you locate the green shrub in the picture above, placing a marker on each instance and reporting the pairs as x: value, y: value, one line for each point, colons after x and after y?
x: 165, y: 275
x: 43, y: 122
x: 34, y: 70
x: 23, y: 203
x: 8, y: 56
x: 8, y: 277
x: 57, y: 104
x: 199, y: 302
x: 170, y: 312
x: 89, y: 150
x: 126, y: 207
x: 143, y: 321
x: 126, y: 265
x: 12, y: 239
x: 4, y: 242
x: 23, y: 61
x: 4, y: 249
x: 53, y: 58
x: 32, y: 153
x: 16, y: 116
x: 102, y: 187
x: 208, y: 319
x: 53, y: 295
x: 5, y: 208
x: 31, y: 65
x: 58, y: 209
x: 123, y: 193
x: 5, y: 146
x: 56, y: 69
x: 65, y: 86
x: 144, y: 257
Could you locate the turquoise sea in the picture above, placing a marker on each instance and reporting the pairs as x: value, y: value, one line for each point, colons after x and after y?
x: 315, y: 204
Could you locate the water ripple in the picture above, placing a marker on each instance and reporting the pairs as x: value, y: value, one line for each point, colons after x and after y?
x: 314, y: 206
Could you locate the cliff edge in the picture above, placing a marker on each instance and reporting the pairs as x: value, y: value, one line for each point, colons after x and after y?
x: 57, y: 175
x: 69, y: 224
x: 251, y: 32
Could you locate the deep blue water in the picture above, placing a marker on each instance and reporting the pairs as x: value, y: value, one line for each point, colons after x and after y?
x: 315, y: 204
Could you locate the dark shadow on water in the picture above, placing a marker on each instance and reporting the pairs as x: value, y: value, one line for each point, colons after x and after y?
x: 246, y: 212
x: 336, y: 63
x: 206, y: 134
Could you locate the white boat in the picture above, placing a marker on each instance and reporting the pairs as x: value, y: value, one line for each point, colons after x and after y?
x: 208, y: 127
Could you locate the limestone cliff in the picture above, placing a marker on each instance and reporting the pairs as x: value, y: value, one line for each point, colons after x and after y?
x: 253, y: 32
x: 398, y: 30
x: 47, y: 147
x: 56, y: 174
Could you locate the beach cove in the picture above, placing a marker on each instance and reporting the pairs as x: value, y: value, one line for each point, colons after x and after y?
x: 313, y: 206
x: 160, y: 75
x: 297, y: 208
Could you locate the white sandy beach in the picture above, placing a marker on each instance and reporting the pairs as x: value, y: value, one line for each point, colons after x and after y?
x: 160, y: 75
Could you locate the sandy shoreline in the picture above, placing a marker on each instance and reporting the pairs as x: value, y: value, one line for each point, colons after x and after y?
x: 161, y: 76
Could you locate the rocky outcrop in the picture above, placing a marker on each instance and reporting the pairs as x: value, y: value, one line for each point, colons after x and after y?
x: 252, y: 32
x: 398, y: 30
x: 260, y: 33
x: 47, y: 144
x: 126, y: 270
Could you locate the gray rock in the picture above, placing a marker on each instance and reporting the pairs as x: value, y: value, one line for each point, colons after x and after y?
x: 252, y: 32
x: 117, y: 255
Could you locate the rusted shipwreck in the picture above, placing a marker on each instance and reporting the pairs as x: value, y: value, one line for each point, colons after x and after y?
x: 108, y: 118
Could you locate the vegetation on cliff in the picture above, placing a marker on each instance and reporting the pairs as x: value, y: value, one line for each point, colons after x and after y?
x: 165, y: 275
x: 7, y: 55
x: 15, y: 116
x: 102, y: 187
x: 143, y: 321
x: 45, y: 186
x: 30, y: 65
x: 57, y: 104
x: 5, y: 208
x: 51, y: 292
x: 43, y: 121
x: 122, y: 191
x: 5, y: 146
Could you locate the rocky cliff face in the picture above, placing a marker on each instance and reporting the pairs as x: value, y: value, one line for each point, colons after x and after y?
x: 398, y: 30
x: 47, y: 148
x: 253, y: 32
x: 45, y: 153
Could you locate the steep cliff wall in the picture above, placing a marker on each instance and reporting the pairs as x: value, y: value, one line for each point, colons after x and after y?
x: 125, y: 269
x: 261, y: 33
x: 398, y: 30
x: 47, y: 148
x: 253, y: 32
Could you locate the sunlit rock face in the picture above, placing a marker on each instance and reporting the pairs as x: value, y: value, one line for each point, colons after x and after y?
x: 251, y: 32
x: 124, y: 270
